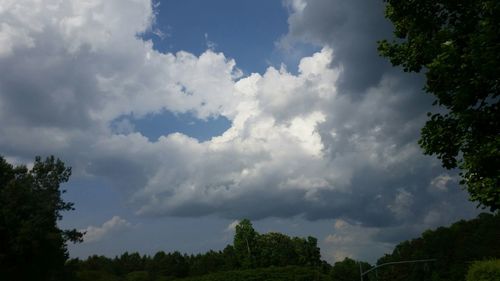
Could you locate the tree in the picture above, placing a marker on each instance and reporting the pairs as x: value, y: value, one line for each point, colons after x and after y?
x: 245, y: 241
x: 307, y: 251
x: 275, y: 249
x: 347, y: 270
x: 32, y: 247
x: 457, y: 44
x: 229, y: 256
x: 453, y: 247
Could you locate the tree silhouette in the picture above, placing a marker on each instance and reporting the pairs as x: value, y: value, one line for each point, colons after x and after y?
x: 32, y: 247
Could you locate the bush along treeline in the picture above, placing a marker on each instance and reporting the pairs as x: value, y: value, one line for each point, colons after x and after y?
x: 286, y: 258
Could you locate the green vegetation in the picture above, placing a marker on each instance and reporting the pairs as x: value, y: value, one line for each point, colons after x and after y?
x: 454, y: 248
x: 457, y: 44
x: 273, y: 249
x: 254, y: 256
x: 32, y: 247
x: 484, y: 271
x: 348, y: 270
x: 287, y: 273
x: 275, y: 256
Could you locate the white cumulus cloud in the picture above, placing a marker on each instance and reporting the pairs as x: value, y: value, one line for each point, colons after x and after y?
x: 319, y: 143
x: 112, y: 226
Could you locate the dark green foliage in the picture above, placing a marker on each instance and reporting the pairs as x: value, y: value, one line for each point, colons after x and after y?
x: 138, y: 276
x: 169, y: 265
x: 211, y: 261
x: 96, y: 275
x: 177, y: 265
x: 484, y: 271
x: 273, y: 249
x: 251, y: 250
x: 95, y: 263
x: 156, y: 269
x: 229, y: 257
x: 127, y: 263
x: 289, y: 273
x: 457, y: 44
x: 453, y: 248
x: 307, y: 251
x: 348, y: 270
x: 32, y: 247
x: 245, y: 244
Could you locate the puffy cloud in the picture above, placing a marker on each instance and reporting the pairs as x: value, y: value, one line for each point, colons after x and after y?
x: 337, y: 139
x: 113, y: 225
x: 85, y: 66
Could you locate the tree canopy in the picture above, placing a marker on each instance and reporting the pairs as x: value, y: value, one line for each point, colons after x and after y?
x: 245, y: 240
x: 268, y: 256
x: 280, y: 257
x: 453, y: 247
x: 457, y: 44
x: 253, y: 249
x: 348, y: 269
x: 32, y: 247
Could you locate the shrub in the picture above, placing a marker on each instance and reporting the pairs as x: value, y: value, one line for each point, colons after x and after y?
x: 484, y: 271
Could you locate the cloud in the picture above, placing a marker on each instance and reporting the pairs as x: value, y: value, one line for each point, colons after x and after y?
x: 351, y: 29
x: 335, y: 140
x: 97, y: 233
x: 442, y: 181
x: 402, y: 203
x: 353, y: 241
x: 232, y: 226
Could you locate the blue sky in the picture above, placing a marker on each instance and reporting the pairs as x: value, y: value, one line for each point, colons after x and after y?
x: 246, y: 31
x: 181, y: 117
x: 240, y: 29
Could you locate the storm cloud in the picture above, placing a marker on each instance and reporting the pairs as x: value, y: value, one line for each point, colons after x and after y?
x: 336, y: 140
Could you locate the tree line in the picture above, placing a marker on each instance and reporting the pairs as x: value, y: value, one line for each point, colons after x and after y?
x: 276, y: 256
x: 250, y: 250
x: 454, y: 248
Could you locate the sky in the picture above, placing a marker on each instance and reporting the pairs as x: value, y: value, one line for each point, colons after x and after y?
x: 180, y: 118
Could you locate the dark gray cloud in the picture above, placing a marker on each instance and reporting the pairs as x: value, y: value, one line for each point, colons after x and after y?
x: 372, y: 128
x: 352, y: 29
x: 336, y: 140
